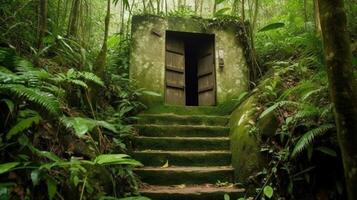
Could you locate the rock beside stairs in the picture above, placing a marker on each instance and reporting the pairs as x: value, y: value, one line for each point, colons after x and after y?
x: 184, y: 157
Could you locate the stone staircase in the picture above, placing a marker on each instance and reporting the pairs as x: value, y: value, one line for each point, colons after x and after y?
x: 184, y: 157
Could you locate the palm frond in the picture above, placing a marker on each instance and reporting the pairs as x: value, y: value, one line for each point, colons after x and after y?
x: 309, y: 137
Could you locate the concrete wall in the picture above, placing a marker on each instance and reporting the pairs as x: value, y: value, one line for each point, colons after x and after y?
x: 148, y: 55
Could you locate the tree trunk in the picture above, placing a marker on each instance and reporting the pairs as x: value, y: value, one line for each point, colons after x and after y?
x: 42, y: 22
x: 342, y: 85
x: 243, y: 12
x: 102, y: 56
x: 305, y: 14
x: 73, y: 22
x: 214, y: 7
x: 317, y: 18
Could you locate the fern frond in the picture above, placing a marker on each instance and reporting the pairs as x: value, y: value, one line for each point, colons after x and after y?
x: 44, y: 99
x: 88, y: 76
x: 327, y: 111
x: 313, y: 92
x: 300, y: 89
x: 277, y: 105
x: 309, y: 137
x: 307, y: 112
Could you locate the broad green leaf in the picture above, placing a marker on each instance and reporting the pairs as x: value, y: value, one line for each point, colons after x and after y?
x: 135, y: 198
x: 51, y: 188
x: 327, y: 151
x: 272, y: 26
x: 48, y: 155
x: 81, y: 125
x: 23, y: 125
x: 226, y: 197
x: 268, y: 191
x: 151, y: 93
x: 10, y: 104
x: 5, y: 167
x: 219, y: 1
x: 35, y: 176
x: 115, y: 159
x: 268, y: 110
x: 4, y: 193
x: 221, y: 12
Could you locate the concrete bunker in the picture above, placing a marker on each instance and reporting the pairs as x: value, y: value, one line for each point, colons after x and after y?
x: 188, y: 61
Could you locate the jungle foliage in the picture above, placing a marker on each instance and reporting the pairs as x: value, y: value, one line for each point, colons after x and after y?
x: 60, y: 141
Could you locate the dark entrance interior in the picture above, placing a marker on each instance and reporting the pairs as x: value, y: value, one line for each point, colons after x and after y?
x: 198, y: 58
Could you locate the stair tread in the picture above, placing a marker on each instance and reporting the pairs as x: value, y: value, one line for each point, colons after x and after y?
x: 193, y: 126
x: 189, y: 189
x: 185, y: 138
x: 187, y: 168
x: 183, y: 116
x: 183, y: 151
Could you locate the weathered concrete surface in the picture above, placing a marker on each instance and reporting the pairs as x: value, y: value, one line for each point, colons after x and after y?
x: 148, y: 55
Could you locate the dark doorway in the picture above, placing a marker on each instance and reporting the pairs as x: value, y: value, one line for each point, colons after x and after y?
x: 198, y: 71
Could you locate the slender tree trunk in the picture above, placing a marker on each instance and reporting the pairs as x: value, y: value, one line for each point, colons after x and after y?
x: 102, y: 56
x: 196, y: 6
x: 243, y: 10
x: 235, y: 7
x: 305, y: 14
x: 42, y: 22
x: 214, y: 6
x: 122, y: 17
x: 317, y: 18
x: 166, y: 7
x: 73, y: 22
x: 342, y: 85
x: 255, y: 16
x: 201, y: 8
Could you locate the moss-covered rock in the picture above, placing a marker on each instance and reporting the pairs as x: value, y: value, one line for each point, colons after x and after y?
x: 247, y: 129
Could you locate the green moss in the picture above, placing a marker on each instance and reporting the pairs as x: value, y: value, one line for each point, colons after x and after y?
x: 225, y: 108
x: 245, y: 145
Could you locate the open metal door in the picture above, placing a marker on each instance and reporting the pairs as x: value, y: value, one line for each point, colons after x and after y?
x: 175, y: 71
x: 206, y: 75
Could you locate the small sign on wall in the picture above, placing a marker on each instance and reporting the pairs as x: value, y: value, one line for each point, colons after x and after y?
x: 221, y: 59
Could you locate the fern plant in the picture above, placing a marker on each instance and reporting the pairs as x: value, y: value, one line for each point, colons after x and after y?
x: 310, y: 136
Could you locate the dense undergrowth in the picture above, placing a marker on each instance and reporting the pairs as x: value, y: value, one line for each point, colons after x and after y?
x: 302, y: 157
x: 57, y: 141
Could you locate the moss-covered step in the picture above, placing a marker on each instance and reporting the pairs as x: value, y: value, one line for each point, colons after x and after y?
x: 183, y: 158
x: 183, y: 119
x: 221, y: 109
x: 182, y: 130
x: 191, y: 192
x: 185, y: 175
x: 181, y: 143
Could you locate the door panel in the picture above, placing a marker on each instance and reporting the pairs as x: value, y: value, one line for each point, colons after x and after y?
x: 206, y: 76
x: 175, y: 71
